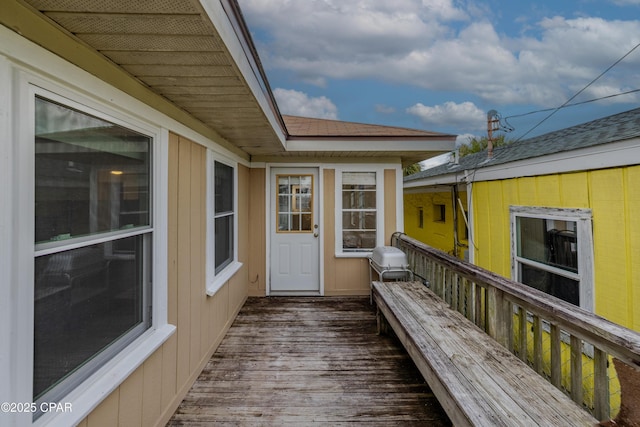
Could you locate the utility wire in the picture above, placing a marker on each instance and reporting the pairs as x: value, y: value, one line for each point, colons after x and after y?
x: 572, y: 105
x: 555, y: 110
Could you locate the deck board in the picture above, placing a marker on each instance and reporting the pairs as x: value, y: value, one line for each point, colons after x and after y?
x: 303, y: 361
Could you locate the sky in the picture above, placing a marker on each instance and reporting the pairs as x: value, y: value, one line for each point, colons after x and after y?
x: 442, y: 65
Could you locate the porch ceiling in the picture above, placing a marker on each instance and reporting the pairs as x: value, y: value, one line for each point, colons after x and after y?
x: 174, y: 48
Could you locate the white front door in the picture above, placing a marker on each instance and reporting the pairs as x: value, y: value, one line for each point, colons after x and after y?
x: 295, y: 243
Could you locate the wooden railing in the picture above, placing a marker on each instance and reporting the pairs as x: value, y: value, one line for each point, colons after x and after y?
x: 569, y: 346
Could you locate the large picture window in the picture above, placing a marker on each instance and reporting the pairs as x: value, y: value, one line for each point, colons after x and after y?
x: 93, y: 232
x: 551, y: 252
x: 359, y: 211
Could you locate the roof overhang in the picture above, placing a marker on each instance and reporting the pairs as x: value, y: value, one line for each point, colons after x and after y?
x: 194, y: 61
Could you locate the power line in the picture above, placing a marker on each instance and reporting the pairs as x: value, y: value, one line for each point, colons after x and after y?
x: 555, y: 110
x: 572, y: 105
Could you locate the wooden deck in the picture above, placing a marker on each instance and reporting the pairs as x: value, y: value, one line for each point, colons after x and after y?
x: 309, y: 361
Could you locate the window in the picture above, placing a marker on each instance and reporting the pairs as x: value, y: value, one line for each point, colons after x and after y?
x: 552, y: 252
x: 223, y: 215
x: 439, y: 213
x: 360, y: 211
x: 222, y: 223
x: 420, y: 217
x: 93, y: 232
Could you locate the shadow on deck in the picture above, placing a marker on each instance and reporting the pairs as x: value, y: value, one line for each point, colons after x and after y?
x: 302, y: 361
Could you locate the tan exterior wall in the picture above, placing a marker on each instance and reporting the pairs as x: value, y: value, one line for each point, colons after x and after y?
x: 350, y: 276
x: 152, y: 392
x: 258, y: 233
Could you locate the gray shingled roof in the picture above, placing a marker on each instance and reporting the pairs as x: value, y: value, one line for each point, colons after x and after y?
x: 618, y: 127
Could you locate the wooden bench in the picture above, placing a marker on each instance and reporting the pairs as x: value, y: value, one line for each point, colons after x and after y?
x: 476, y: 380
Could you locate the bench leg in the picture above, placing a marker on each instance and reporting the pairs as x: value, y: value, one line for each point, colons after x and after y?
x: 629, y: 415
x: 383, y: 325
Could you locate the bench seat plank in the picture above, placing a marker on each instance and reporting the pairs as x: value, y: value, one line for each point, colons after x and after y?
x: 477, y: 381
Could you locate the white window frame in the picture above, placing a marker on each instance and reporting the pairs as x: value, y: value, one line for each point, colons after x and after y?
x: 584, y: 234
x: 18, y: 370
x: 379, y: 171
x: 215, y: 281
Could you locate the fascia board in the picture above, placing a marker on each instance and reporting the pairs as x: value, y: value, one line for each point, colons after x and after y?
x: 615, y: 154
x: 338, y: 144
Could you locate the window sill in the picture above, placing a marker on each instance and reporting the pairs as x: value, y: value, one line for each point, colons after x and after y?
x: 363, y: 254
x: 88, y: 396
x: 223, y: 277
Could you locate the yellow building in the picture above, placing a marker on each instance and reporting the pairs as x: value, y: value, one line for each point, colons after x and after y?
x: 556, y: 212
x: 438, y: 217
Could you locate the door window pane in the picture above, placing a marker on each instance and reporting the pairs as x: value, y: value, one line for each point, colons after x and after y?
x: 295, y: 203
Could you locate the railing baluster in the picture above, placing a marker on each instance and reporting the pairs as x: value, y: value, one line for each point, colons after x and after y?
x: 537, y: 344
x: 524, y: 331
x: 556, y: 356
x: 601, y: 398
x: 576, y: 369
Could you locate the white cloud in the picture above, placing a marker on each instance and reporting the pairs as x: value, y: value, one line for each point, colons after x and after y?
x: 296, y: 103
x: 464, y: 116
x: 438, y: 45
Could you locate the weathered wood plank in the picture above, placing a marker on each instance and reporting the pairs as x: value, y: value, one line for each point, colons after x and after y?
x: 477, y: 376
x: 301, y: 361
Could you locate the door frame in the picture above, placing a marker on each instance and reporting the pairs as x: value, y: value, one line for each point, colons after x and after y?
x: 269, y: 224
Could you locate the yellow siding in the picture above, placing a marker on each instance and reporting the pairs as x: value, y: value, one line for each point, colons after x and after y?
x: 614, y: 198
x: 257, y: 231
x: 437, y: 234
x: 150, y: 395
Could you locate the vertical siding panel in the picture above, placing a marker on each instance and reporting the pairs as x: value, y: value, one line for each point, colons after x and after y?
x: 240, y: 281
x: 197, y: 286
x: 528, y: 192
x: 574, y: 190
x: 329, y: 182
x: 172, y: 238
x: 548, y: 189
x: 499, y: 237
x: 183, y: 264
x: 169, y: 349
x: 390, y: 220
x: 256, y: 236
x: 482, y: 228
x: 169, y: 370
x: 106, y: 414
x: 152, y: 384
x: 130, y: 400
x: 609, y: 242
x: 632, y: 189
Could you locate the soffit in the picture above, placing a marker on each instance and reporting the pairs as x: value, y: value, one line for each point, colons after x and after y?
x: 173, y: 48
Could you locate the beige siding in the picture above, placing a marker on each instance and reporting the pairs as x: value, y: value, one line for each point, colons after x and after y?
x: 390, y: 205
x: 257, y: 233
x: 153, y: 391
x: 350, y: 276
